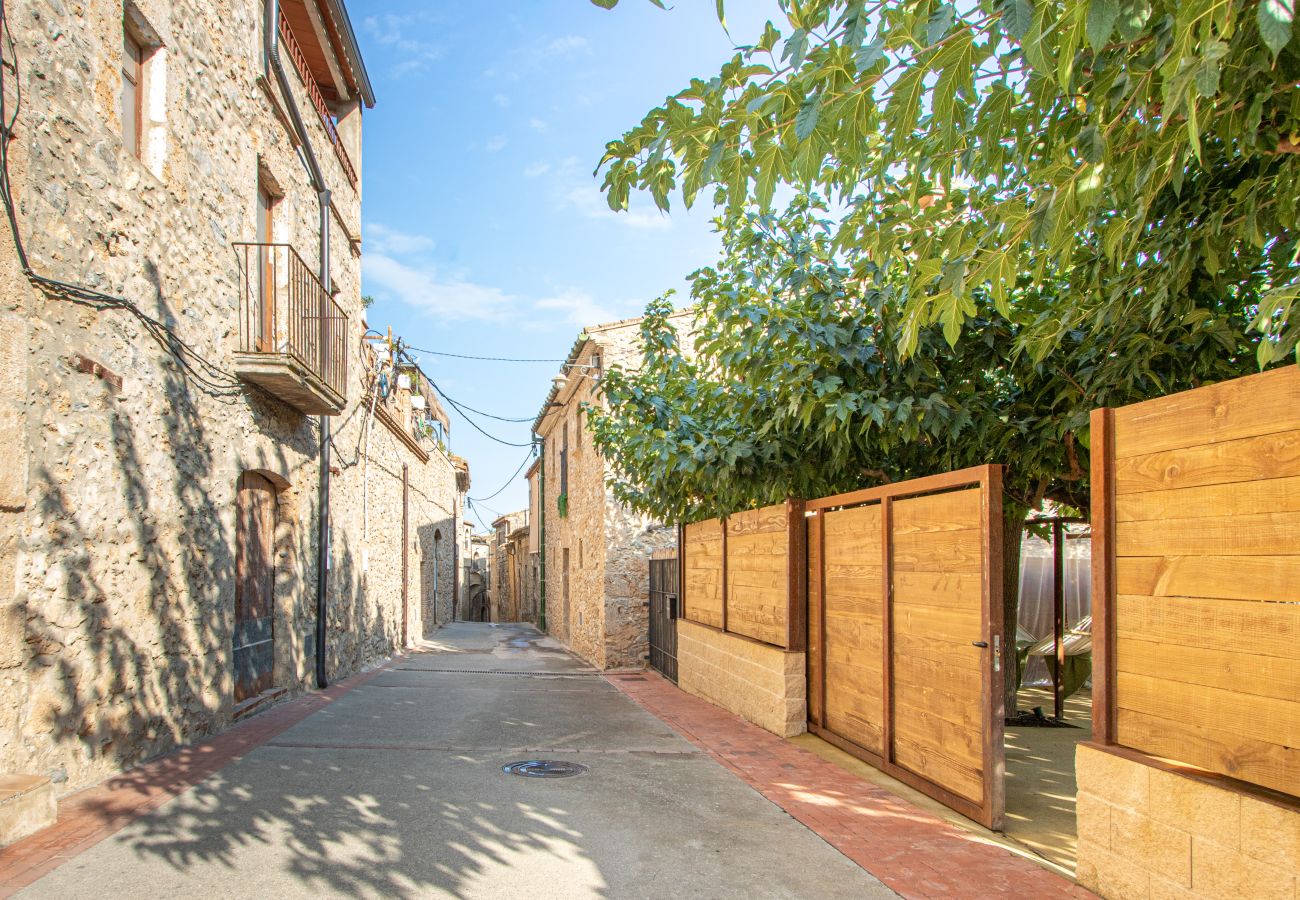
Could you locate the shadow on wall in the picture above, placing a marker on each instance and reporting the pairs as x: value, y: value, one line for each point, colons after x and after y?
x: 128, y: 638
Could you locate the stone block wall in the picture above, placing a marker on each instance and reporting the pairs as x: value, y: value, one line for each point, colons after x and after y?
x: 1147, y: 832
x: 756, y: 681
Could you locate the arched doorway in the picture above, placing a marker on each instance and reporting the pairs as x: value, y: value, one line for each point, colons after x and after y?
x: 254, y: 634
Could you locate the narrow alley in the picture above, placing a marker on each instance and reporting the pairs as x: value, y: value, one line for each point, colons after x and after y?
x: 395, y: 788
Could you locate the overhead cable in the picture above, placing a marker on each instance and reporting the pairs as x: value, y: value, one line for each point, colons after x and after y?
x: 511, y: 359
x: 509, y: 481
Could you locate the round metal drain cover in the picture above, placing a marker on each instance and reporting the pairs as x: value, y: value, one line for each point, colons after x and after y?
x: 544, y: 768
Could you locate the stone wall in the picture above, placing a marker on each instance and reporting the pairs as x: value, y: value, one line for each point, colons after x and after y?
x: 759, y: 682
x: 605, y: 619
x: 1147, y: 831
x: 117, y: 504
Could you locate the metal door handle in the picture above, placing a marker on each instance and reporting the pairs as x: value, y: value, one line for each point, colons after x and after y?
x: 979, y: 644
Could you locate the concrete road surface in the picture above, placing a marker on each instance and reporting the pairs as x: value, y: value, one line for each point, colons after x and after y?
x: 397, y: 790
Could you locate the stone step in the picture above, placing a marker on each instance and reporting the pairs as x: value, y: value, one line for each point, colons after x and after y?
x: 27, y: 804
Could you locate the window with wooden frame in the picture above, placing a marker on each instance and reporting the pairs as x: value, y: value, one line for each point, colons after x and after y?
x: 133, y: 57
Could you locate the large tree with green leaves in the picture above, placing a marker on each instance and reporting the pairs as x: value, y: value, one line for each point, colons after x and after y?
x: 1143, y: 153
x: 793, y: 384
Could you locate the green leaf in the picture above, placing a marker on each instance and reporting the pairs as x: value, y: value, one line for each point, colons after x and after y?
x: 1017, y: 16
x: 806, y: 119
x: 1274, y: 17
x: 1101, y: 21
x: 769, y: 38
x: 1091, y: 144
x: 605, y: 4
x: 940, y: 21
x: 722, y: 14
x: 869, y: 54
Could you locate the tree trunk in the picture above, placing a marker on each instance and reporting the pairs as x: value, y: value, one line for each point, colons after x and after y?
x: 1013, y: 525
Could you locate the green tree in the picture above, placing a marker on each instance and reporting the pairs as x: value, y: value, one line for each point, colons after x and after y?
x: 794, y: 384
x: 1139, y: 153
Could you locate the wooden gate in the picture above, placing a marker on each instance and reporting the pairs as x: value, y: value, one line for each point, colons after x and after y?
x: 663, y: 616
x: 904, y: 633
x: 253, y: 642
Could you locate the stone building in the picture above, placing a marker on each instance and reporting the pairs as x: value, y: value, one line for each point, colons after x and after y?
x: 596, y: 551
x: 523, y: 576
x: 477, y: 606
x: 505, y: 586
x: 164, y: 488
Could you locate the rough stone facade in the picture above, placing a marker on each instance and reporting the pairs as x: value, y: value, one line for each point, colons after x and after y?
x: 597, y: 552
x: 117, y: 501
x: 1149, y: 831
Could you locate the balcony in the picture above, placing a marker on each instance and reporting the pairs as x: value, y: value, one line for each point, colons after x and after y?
x: 303, y: 68
x: 292, y: 334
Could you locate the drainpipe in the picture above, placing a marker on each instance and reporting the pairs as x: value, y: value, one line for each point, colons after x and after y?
x: 541, y: 542
x: 271, y: 40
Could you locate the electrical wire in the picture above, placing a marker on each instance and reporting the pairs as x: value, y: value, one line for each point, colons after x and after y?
x: 489, y: 415
x: 209, y: 376
x: 512, y: 359
x: 474, y: 510
x: 402, y: 351
x: 509, y: 481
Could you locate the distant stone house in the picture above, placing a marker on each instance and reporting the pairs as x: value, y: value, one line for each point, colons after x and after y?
x: 595, y: 550
x: 505, y: 578
x: 171, y: 458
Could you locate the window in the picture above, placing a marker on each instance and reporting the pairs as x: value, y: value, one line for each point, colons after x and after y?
x: 133, y: 55
x: 566, y: 578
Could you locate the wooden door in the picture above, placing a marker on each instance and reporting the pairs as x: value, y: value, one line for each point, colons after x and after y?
x: 254, y: 645
x: 945, y: 729
x: 904, y: 642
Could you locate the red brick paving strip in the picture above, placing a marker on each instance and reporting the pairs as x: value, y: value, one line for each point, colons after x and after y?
x: 88, y: 816
x: 913, y: 852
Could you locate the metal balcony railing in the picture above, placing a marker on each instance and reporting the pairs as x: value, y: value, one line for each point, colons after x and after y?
x: 294, y: 49
x: 284, y: 309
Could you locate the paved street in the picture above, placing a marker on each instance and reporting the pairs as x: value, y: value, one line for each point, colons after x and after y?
x: 396, y: 789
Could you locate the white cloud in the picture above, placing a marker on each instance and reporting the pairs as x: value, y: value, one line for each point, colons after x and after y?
x: 420, y: 286
x: 409, y: 54
x: 535, y: 169
x: 587, y: 200
x: 563, y: 46
x: 578, y: 308
x: 539, y: 124
x: 496, y: 144
x: 381, y: 239
x: 501, y: 100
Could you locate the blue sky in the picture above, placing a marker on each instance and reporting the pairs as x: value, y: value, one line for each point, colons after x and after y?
x: 484, y: 230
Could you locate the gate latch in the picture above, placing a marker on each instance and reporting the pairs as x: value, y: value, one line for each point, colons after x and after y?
x: 997, y: 653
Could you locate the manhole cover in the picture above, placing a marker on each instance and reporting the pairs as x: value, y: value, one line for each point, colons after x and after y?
x: 544, y: 768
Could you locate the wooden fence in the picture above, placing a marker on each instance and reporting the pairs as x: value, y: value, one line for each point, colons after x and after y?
x: 743, y: 574
x: 1196, y: 568
x: 905, y: 633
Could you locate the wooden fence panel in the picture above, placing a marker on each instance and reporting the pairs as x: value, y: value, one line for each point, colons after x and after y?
x: 1200, y: 524
x: 758, y: 564
x: 702, y: 565
x: 853, y: 613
